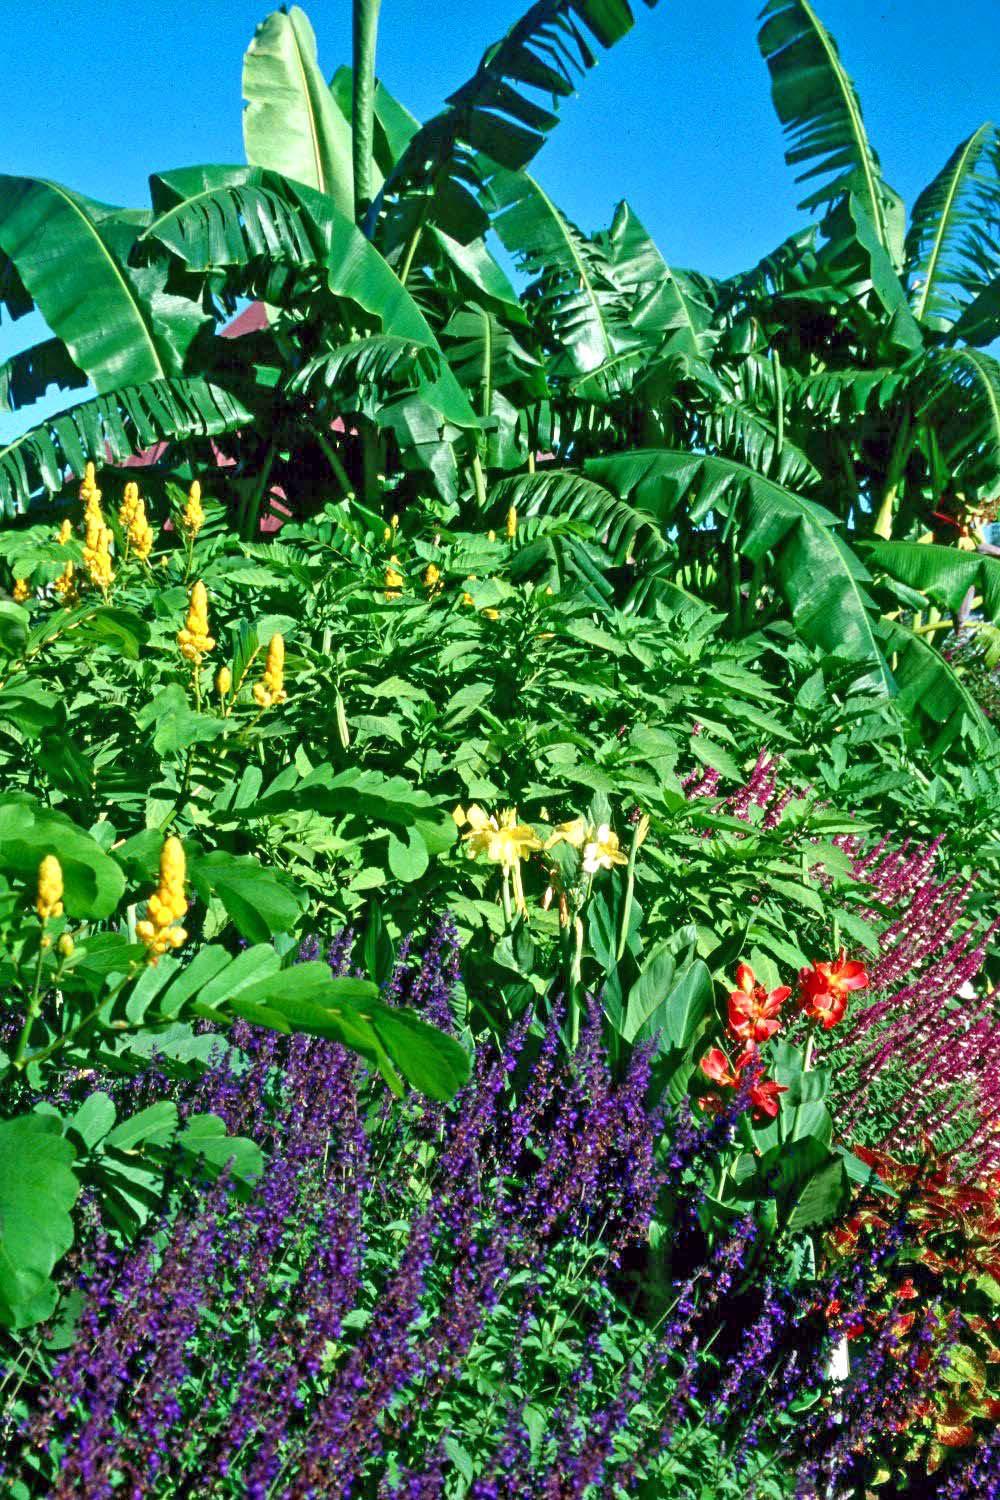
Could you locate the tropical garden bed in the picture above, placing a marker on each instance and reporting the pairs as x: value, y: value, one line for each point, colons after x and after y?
x: 498, y: 807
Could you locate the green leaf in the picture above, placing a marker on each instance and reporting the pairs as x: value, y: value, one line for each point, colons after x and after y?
x: 178, y: 726
x: 291, y: 123
x: 14, y: 622
x: 260, y: 903
x: 154, y: 1126
x: 38, y: 1188
x: 204, y: 1138
x: 94, y: 882
x: 818, y: 105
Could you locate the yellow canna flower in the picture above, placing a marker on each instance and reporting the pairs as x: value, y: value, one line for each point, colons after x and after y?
x: 65, y: 584
x: 167, y: 905
x: 511, y: 524
x: 223, y: 682
x: 193, y: 516
x: 140, y: 533
x: 575, y: 833
x: 599, y: 844
x: 503, y: 840
x: 393, y: 578
x: 601, y: 850
x: 22, y: 590
x: 65, y: 532
x: 194, y: 640
x: 50, y: 888
x: 432, y: 578
x: 271, y: 688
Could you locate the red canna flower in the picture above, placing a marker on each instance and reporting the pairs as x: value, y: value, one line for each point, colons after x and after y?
x: 753, y: 1010
x: 716, y: 1066
x: 764, y: 1097
x: 824, y: 989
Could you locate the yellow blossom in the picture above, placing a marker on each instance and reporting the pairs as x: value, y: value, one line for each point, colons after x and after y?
x: 97, y: 550
x: 271, y: 688
x: 601, y: 850
x: 65, y: 532
x: 50, y: 888
x: 511, y: 523
x: 65, y: 584
x: 576, y: 833
x: 130, y: 500
x: 432, y: 579
x: 22, y: 590
x: 393, y: 578
x: 598, y: 844
x: 223, y: 682
x: 193, y: 516
x: 140, y: 533
x: 503, y: 840
x: 167, y: 905
x: 492, y: 614
x: 194, y: 640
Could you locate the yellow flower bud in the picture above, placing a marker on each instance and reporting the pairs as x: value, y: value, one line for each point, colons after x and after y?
x: 22, y: 590
x: 140, y: 533
x: 432, y: 578
x: 491, y: 536
x: 394, y: 522
x: 194, y: 640
x: 126, y: 511
x: 511, y: 524
x: 65, y: 532
x: 387, y: 535
x: 271, y: 688
x: 66, y: 946
x: 50, y: 888
x: 223, y: 682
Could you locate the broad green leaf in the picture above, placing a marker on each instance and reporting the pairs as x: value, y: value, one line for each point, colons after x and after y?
x: 94, y: 882
x: 38, y: 1188
x: 291, y: 123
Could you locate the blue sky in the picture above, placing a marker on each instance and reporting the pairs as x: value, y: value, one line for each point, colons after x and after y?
x: 677, y: 118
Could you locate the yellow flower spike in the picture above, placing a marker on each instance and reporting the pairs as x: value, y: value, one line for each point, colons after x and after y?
x: 271, y: 688
x: 22, y: 590
x: 432, y: 578
x: 97, y: 550
x: 140, y: 533
x: 223, y: 682
x: 65, y: 584
x: 511, y: 523
x: 601, y: 850
x: 65, y: 532
x: 193, y: 516
x: 167, y: 905
x: 130, y: 502
x: 393, y: 578
x: 503, y: 840
x: 50, y: 888
x: 194, y: 640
